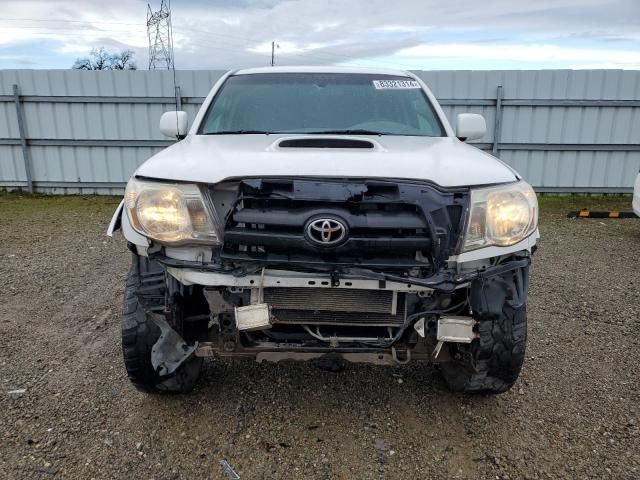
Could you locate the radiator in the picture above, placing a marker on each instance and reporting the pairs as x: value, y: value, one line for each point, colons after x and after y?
x: 335, y: 306
x: 332, y: 300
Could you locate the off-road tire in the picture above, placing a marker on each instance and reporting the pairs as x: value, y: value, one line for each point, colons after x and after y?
x: 496, y: 357
x: 140, y: 333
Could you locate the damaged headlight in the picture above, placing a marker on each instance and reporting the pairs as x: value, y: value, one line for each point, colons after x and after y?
x: 169, y: 212
x: 501, y: 215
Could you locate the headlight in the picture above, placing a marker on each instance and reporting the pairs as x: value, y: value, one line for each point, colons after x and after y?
x: 502, y: 215
x: 169, y: 212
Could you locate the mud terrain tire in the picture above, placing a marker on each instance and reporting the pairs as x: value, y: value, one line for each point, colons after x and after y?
x: 496, y: 357
x: 140, y: 333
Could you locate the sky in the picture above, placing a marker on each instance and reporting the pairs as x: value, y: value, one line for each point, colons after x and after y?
x: 409, y: 34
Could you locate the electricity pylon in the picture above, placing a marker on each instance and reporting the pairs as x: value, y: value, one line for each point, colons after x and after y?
x: 160, y: 37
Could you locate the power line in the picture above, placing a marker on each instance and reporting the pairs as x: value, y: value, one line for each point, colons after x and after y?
x: 64, y: 21
x: 326, y: 55
x: 244, y: 40
x: 311, y: 54
x: 63, y: 30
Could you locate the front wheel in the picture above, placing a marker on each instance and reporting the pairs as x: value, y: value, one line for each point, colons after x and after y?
x: 140, y: 333
x: 492, y: 363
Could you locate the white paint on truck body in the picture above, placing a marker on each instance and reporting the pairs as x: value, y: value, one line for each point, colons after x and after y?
x: 445, y: 161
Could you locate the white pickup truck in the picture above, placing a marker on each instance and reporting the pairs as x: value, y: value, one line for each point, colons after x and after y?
x: 326, y: 212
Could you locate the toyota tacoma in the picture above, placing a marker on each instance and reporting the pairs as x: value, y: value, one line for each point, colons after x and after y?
x: 326, y: 213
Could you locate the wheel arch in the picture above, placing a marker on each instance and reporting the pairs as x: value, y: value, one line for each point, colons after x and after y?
x: 120, y: 221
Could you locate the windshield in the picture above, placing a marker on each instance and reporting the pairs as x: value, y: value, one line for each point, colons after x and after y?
x: 335, y: 103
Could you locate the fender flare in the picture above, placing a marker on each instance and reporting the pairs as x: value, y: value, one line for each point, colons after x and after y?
x: 116, y: 220
x: 120, y: 221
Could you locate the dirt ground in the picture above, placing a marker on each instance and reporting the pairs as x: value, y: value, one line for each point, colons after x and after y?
x: 574, y: 413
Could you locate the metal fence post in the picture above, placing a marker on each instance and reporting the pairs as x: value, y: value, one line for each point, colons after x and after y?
x: 497, y: 126
x: 26, y: 153
x: 178, y: 98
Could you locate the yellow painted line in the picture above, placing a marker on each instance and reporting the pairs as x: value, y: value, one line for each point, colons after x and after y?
x: 614, y: 214
x: 584, y: 213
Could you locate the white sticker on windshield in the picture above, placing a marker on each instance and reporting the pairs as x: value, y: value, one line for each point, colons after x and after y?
x: 395, y: 84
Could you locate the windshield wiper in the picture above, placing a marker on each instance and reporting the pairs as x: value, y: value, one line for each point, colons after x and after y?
x: 237, y: 132
x: 354, y: 131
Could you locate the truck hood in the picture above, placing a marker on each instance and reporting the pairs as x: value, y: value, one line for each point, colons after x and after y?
x: 445, y: 161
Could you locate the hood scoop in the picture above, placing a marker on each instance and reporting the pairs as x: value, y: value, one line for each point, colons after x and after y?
x: 325, y: 142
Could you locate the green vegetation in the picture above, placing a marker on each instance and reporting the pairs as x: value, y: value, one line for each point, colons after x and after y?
x: 37, y: 201
x: 566, y: 203
x: 17, y: 207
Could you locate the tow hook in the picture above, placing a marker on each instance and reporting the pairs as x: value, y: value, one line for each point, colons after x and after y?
x: 399, y: 361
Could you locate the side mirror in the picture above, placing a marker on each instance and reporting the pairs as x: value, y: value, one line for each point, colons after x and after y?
x: 174, y: 124
x: 470, y: 126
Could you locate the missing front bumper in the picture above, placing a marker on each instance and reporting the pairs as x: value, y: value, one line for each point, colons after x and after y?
x: 447, y: 281
x: 287, y: 315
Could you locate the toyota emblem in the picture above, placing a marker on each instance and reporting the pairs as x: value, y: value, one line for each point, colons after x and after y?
x: 326, y: 232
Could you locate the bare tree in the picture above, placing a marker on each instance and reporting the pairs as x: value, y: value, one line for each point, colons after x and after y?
x: 83, y: 64
x: 100, y: 59
x: 123, y: 61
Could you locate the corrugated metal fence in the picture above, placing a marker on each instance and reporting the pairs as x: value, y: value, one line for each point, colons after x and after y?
x: 67, y: 131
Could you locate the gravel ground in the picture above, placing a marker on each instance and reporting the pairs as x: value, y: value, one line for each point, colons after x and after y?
x: 68, y: 411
